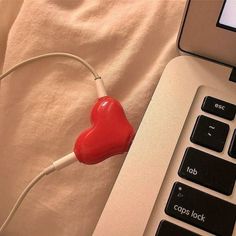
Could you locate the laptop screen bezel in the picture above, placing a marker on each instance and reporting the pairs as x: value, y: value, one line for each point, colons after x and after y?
x: 180, y: 36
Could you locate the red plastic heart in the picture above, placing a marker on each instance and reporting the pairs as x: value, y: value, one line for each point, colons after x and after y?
x: 110, y: 134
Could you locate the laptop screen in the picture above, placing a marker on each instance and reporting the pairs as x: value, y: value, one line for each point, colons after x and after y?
x: 227, y: 17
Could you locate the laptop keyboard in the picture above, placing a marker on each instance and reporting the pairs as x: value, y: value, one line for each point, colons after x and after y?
x: 191, y: 205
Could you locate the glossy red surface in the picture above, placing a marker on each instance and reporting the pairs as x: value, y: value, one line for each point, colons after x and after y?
x: 110, y: 133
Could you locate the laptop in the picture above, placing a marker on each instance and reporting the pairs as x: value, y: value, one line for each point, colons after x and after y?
x: 179, y: 175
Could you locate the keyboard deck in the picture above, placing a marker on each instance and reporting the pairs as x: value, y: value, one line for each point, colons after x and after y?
x: 198, y: 192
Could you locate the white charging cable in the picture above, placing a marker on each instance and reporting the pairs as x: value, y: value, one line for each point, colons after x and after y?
x: 57, y: 165
x: 99, y: 83
x: 66, y: 160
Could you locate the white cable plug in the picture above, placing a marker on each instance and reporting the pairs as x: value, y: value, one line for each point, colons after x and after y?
x: 64, y: 161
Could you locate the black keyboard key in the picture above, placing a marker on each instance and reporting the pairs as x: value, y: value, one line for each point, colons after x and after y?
x: 233, y: 75
x: 168, y: 229
x: 232, y: 148
x: 219, y: 108
x: 208, y: 170
x: 201, y: 210
x: 210, y: 133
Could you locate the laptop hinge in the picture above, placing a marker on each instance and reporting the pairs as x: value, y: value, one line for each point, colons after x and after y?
x: 233, y: 75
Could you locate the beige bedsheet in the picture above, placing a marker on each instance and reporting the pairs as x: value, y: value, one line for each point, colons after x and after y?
x: 45, y: 105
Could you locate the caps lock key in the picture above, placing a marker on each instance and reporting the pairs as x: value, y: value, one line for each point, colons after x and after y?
x: 201, y: 210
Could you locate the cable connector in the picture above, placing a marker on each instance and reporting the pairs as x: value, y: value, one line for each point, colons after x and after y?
x: 64, y: 161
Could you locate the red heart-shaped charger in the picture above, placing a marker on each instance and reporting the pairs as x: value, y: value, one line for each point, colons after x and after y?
x: 110, y: 134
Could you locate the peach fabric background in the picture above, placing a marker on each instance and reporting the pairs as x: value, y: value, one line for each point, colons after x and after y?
x: 45, y: 105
